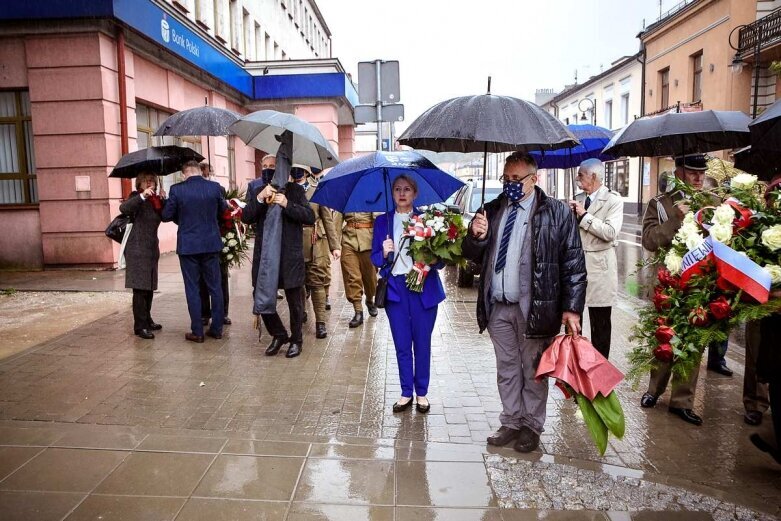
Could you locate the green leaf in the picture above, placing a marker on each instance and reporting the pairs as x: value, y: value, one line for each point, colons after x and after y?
x: 596, y: 427
x: 612, y: 414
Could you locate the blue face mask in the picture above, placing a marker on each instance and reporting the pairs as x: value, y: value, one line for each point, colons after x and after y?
x: 513, y: 190
x: 267, y: 174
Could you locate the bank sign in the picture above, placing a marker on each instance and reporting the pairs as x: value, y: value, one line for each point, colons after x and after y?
x: 153, y: 22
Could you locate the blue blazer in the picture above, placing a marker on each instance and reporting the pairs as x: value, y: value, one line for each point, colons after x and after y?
x: 433, y: 291
x: 195, y: 205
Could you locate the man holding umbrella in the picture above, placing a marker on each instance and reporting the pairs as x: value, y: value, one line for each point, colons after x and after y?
x: 533, y: 280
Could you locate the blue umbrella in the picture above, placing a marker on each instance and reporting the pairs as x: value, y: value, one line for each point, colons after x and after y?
x: 592, y: 140
x: 363, y: 184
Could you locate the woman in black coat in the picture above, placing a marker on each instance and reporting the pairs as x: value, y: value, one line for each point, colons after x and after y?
x: 142, y: 251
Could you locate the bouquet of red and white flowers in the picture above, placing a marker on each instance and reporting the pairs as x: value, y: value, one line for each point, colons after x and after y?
x: 233, y: 231
x: 434, y: 236
x: 722, y: 269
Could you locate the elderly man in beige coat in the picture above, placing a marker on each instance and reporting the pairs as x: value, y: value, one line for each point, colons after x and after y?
x: 600, y: 213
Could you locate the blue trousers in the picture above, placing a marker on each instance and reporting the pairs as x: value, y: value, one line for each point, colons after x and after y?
x: 206, y: 265
x: 411, y: 327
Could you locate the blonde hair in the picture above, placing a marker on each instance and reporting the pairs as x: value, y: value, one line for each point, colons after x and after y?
x: 144, y: 176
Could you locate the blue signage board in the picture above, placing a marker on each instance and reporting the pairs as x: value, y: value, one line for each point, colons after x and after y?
x: 328, y: 85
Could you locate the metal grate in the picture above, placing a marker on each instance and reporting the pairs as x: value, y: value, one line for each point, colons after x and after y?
x: 767, y: 29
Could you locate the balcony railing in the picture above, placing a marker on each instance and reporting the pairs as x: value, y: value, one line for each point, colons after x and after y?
x: 767, y: 29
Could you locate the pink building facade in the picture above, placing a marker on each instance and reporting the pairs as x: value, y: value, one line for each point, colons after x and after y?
x: 67, y: 113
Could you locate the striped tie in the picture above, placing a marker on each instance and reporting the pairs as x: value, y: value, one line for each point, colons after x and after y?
x: 501, y: 257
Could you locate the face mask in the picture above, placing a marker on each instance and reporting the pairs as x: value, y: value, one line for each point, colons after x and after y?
x: 297, y: 173
x: 267, y: 174
x: 514, y: 191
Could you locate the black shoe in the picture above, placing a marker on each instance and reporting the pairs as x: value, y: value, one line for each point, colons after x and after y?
x: 214, y: 335
x: 294, y: 350
x: 327, y: 305
x: 227, y: 321
x: 648, y: 400
x: 686, y: 415
x: 275, y: 345
x: 400, y: 407
x: 503, y: 436
x: 205, y: 321
x: 527, y: 441
x: 154, y: 326
x: 721, y: 369
x: 320, y: 331
x: 764, y: 446
x: 145, y: 334
x: 422, y: 408
x: 753, y: 417
x: 357, y: 319
x: 372, y: 310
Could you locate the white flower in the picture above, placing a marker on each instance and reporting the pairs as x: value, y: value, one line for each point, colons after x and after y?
x: 694, y: 241
x: 772, y: 237
x: 673, y: 262
x: 724, y: 214
x: 743, y: 181
x: 721, y: 232
x: 689, y: 218
x: 775, y: 273
x: 232, y: 243
x: 430, y: 222
x: 225, y: 250
x: 224, y: 240
x: 230, y: 235
x: 229, y: 256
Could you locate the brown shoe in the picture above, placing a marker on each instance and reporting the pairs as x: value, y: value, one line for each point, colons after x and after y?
x: 192, y: 337
x: 213, y: 334
x: 503, y: 436
x: 527, y: 441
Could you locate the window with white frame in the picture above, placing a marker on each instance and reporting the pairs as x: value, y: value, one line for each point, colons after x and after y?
x: 18, y: 181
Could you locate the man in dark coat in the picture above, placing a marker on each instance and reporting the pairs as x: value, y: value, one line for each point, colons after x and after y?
x: 206, y: 309
x: 296, y: 213
x: 533, y: 280
x: 195, y: 205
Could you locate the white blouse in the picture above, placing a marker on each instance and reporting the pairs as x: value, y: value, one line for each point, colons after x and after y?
x: 404, y: 263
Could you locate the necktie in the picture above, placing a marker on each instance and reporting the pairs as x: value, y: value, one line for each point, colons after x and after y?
x: 588, y: 202
x: 501, y: 256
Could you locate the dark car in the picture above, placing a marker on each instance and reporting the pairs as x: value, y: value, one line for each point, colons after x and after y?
x: 468, y: 202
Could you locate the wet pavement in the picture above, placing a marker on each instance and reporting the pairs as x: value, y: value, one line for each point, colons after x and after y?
x: 99, y: 424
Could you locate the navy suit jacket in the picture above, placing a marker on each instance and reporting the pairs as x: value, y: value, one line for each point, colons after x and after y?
x: 433, y: 291
x: 195, y: 205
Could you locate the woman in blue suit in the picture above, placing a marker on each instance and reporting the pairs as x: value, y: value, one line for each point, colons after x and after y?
x: 411, y: 314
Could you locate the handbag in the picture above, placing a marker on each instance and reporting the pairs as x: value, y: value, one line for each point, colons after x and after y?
x: 116, y: 228
x: 380, y: 294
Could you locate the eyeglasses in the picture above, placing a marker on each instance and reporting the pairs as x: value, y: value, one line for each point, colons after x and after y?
x: 505, y: 179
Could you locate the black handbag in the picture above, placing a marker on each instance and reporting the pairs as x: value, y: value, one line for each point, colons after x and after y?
x: 380, y: 294
x: 116, y: 228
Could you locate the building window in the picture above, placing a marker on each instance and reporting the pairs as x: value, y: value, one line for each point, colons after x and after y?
x: 260, y: 44
x: 219, y: 21
x: 18, y: 182
x: 231, y: 163
x: 664, y: 90
x: 617, y: 176
x: 235, y: 26
x: 608, y: 114
x: 248, y: 35
x: 697, y: 76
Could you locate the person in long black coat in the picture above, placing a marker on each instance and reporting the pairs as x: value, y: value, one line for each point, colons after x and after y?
x: 142, y: 251
x: 296, y: 212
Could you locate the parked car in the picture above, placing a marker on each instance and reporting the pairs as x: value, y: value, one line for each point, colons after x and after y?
x: 468, y: 202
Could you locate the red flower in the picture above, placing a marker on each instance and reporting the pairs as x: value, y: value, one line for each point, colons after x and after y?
x: 661, y: 301
x: 664, y: 334
x: 661, y: 321
x: 452, y: 232
x: 699, y: 317
x: 664, y: 353
x: 720, y: 308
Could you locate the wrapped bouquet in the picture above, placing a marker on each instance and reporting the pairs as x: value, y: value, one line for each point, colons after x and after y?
x: 233, y: 232
x: 434, y: 236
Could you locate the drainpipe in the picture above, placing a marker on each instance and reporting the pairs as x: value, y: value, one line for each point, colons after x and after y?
x: 126, y: 186
x: 641, y: 59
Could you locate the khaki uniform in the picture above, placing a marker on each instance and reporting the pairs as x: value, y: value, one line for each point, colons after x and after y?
x: 660, y: 224
x: 358, y: 272
x: 319, y: 241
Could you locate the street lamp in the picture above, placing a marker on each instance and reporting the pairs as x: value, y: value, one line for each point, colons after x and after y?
x: 737, y: 62
x: 592, y: 108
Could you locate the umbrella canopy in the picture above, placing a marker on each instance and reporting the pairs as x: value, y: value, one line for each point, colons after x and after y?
x: 363, y: 184
x: 157, y: 160
x: 764, y: 164
x: 766, y: 129
x: 200, y: 121
x: 486, y: 123
x: 684, y: 133
x: 262, y: 129
x: 592, y: 140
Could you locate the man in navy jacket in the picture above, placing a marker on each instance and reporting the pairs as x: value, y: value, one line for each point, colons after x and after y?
x: 195, y: 205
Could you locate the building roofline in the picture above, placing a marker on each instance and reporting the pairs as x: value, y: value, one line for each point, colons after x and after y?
x: 683, y: 7
x: 320, y: 17
x: 594, y: 79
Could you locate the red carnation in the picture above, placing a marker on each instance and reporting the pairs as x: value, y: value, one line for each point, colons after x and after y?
x: 452, y: 232
x: 720, y: 308
x: 664, y: 334
x: 699, y: 317
x: 664, y: 353
x: 665, y: 277
x: 661, y: 301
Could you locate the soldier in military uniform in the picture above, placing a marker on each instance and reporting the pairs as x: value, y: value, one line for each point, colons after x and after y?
x: 358, y: 272
x: 663, y: 217
x: 320, y: 242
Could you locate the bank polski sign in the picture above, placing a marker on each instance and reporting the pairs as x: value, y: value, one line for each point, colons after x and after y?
x: 171, y: 37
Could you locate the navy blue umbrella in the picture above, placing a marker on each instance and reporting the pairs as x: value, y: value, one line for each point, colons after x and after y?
x: 592, y: 140
x: 363, y: 184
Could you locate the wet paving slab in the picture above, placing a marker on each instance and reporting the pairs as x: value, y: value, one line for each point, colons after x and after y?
x: 174, y: 430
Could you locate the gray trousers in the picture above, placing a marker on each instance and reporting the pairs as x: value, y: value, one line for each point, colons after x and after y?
x: 523, y: 398
x: 682, y: 393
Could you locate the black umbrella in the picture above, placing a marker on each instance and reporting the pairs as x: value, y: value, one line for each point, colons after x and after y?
x: 764, y: 164
x: 200, y: 121
x: 487, y: 123
x: 157, y: 160
x: 683, y: 133
x: 766, y: 129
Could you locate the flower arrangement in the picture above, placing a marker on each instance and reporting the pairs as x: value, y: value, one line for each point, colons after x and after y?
x: 722, y: 269
x: 233, y: 231
x: 434, y: 236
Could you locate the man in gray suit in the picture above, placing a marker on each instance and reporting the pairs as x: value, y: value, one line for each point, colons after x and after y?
x: 533, y: 280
